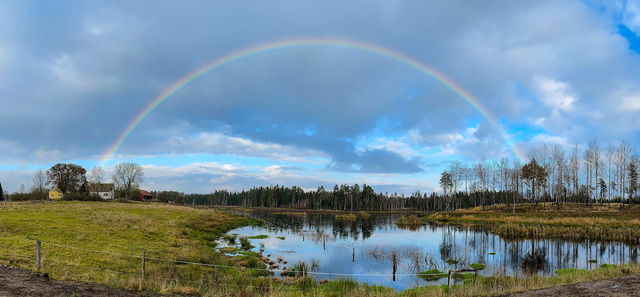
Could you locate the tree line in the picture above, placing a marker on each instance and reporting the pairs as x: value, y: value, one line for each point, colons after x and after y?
x: 595, y: 174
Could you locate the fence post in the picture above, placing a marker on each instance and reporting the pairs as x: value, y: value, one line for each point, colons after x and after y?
x: 38, y: 255
x: 449, y: 280
x: 142, y: 272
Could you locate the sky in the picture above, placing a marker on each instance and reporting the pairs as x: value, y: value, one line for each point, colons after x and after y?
x: 75, y: 74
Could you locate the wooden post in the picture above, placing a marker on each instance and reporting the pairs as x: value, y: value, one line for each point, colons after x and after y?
x: 353, y: 255
x: 395, y: 265
x: 449, y: 280
x: 304, y: 280
x: 142, y: 272
x: 38, y: 255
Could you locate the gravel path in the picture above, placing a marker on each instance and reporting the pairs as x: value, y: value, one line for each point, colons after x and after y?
x: 617, y: 287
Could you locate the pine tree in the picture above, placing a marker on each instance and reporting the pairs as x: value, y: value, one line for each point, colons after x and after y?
x: 1, y: 192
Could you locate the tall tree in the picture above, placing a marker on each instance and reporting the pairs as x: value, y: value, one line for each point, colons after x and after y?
x: 632, y: 175
x: 446, y: 183
x: 1, y: 192
x: 127, y: 176
x: 96, y: 176
x: 536, y: 175
x: 67, y: 177
x: 39, y: 183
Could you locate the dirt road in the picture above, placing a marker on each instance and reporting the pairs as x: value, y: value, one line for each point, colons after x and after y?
x: 18, y: 282
x: 617, y: 287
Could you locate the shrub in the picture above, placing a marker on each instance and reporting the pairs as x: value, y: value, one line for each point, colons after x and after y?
x: 79, y: 196
x: 245, y: 243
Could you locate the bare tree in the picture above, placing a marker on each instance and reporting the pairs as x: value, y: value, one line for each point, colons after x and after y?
x: 624, y: 154
x: 96, y: 176
x: 610, y: 155
x: 127, y: 176
x: 39, y: 183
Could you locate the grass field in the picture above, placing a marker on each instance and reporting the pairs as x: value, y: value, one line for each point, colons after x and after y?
x: 187, y: 234
x: 596, y: 222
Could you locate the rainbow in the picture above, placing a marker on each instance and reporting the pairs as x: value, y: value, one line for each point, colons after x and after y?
x: 308, y: 42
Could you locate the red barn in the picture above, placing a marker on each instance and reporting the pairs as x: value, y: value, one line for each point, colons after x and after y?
x: 144, y: 195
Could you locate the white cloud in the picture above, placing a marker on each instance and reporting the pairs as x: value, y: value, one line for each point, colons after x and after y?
x: 631, y: 15
x: 213, y: 142
x: 555, y: 94
x: 630, y: 103
x: 546, y: 138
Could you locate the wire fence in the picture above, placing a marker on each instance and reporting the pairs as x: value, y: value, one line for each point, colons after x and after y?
x: 144, y: 277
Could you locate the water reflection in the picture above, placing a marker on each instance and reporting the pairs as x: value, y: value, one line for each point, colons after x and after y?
x: 368, y: 246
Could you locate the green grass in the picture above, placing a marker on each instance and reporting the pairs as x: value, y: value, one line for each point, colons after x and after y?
x: 478, y: 266
x: 568, y: 271
x: 432, y: 274
x: 261, y: 236
x: 451, y: 261
x: 162, y: 231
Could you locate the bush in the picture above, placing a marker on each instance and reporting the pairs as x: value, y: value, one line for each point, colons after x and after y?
x: 25, y: 197
x: 78, y: 196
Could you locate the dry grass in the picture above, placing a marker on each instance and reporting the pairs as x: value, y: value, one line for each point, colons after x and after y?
x: 596, y: 222
x: 345, y: 217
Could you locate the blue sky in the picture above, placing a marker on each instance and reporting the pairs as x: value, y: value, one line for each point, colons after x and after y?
x: 73, y: 74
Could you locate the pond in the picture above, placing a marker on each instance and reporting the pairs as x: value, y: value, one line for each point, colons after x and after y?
x: 364, y: 249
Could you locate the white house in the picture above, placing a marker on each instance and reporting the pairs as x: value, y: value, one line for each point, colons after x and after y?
x: 104, y: 191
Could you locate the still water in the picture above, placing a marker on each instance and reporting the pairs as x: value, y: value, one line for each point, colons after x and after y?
x: 364, y: 249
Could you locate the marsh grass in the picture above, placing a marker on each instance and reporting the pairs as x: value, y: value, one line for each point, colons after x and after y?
x: 409, y: 221
x: 365, y: 215
x: 573, y: 222
x: 345, y: 217
x: 291, y: 213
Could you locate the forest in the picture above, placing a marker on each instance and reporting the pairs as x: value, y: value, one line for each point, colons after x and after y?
x: 595, y: 174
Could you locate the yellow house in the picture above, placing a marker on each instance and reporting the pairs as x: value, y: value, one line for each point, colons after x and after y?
x: 55, y: 193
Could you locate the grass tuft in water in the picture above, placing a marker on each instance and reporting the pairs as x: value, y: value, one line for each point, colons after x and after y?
x: 478, y: 266
x: 345, y: 217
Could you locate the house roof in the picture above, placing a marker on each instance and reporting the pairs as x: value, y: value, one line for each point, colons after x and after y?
x: 91, y: 187
x: 144, y: 193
